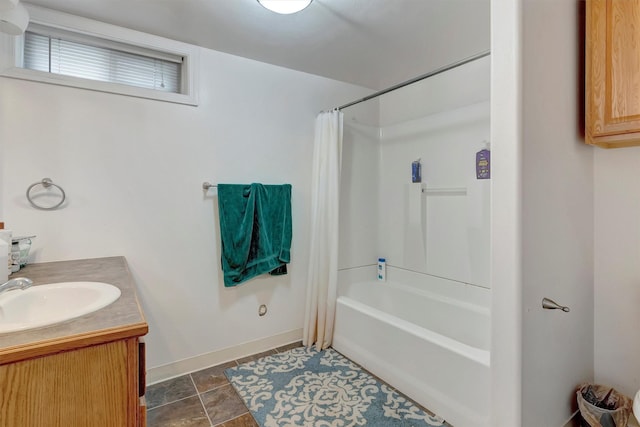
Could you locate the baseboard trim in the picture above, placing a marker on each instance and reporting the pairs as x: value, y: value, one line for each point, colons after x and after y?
x: 574, y: 421
x: 192, y: 364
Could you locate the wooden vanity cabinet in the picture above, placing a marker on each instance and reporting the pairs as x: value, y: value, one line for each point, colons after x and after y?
x: 612, y: 85
x: 97, y: 385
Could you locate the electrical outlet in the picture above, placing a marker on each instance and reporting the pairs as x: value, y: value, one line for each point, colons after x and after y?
x: 262, y: 310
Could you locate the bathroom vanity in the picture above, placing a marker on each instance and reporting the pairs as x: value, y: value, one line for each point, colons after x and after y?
x: 87, y: 371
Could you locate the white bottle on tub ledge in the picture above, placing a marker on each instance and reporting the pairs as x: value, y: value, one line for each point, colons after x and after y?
x: 382, y: 270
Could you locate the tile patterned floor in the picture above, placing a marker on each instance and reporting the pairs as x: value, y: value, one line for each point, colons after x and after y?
x: 201, y: 399
x: 204, y: 398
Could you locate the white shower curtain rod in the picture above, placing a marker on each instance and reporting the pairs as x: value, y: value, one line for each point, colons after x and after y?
x: 419, y: 78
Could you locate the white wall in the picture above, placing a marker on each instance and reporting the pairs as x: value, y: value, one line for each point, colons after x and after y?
x: 557, y: 215
x: 506, y: 213
x: 133, y: 169
x: 359, y: 186
x: 617, y: 275
x: 462, y: 86
x: 542, y: 214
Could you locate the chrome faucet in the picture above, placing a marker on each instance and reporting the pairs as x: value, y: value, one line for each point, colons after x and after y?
x: 17, y: 283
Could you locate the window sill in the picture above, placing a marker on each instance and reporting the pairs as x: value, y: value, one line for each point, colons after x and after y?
x: 114, y: 88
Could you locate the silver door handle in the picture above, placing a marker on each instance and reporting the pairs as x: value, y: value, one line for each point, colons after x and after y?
x: 550, y: 304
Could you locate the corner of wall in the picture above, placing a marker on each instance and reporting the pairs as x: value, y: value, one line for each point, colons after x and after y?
x: 506, y: 156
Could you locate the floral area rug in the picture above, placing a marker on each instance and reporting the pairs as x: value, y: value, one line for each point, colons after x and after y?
x: 306, y: 387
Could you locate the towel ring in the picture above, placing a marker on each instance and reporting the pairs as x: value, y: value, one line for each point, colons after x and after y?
x: 46, y: 183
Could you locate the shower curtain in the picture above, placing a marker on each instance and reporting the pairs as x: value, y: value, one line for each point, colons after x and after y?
x: 323, y: 255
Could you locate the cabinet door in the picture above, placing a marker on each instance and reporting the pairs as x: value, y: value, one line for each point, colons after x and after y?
x: 613, y: 72
x: 80, y: 388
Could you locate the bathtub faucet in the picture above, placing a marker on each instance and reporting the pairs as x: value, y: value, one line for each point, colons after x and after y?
x: 17, y: 283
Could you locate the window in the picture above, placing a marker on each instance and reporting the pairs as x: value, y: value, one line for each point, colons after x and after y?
x: 56, y: 55
x: 98, y: 56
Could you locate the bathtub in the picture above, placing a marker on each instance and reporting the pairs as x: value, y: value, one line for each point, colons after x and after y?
x: 433, y: 348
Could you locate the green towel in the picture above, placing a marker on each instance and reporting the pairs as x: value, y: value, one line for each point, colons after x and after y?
x: 255, y: 230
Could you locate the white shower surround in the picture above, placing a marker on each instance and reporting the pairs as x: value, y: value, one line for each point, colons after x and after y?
x: 428, y: 332
x: 442, y: 231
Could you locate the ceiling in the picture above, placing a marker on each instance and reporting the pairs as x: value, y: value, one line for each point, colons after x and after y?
x: 372, y: 43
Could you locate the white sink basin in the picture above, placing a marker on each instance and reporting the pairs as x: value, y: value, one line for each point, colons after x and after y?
x: 44, y: 305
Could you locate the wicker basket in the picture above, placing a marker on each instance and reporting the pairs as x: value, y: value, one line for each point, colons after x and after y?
x: 595, y: 416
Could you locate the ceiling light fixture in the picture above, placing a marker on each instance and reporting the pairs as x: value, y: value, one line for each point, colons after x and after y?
x: 285, y: 7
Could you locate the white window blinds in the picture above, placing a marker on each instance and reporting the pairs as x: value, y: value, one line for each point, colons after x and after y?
x: 102, y: 63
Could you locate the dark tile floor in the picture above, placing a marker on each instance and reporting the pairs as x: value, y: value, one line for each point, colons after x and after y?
x: 201, y: 399
x: 204, y: 398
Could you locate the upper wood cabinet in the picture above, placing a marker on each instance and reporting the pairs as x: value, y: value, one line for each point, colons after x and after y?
x: 612, y: 73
